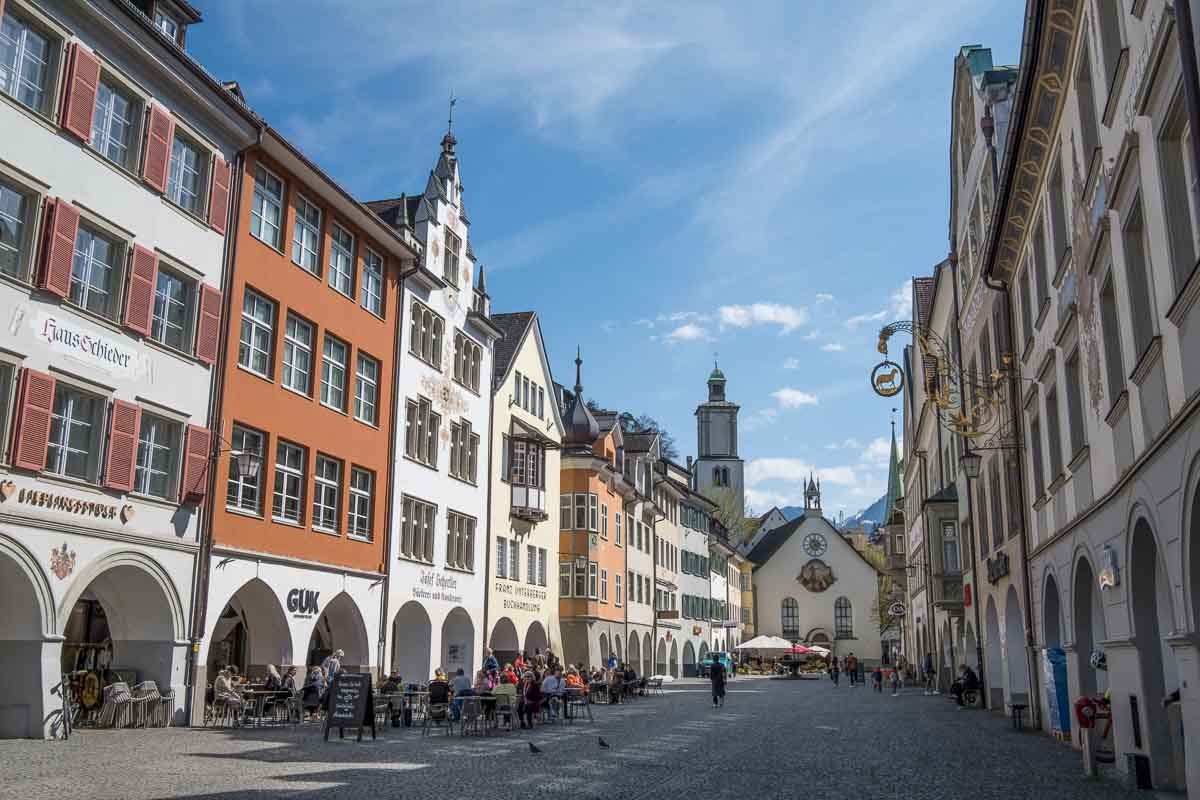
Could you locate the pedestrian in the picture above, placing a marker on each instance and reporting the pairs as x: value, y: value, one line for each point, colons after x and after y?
x: 877, y: 679
x: 332, y: 665
x: 929, y: 674
x: 489, y: 660
x: 717, y: 675
x: 895, y: 682
x: 834, y: 671
x: 852, y: 668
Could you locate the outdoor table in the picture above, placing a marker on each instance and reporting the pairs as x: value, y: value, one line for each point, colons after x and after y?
x: 412, y: 704
x: 255, y: 700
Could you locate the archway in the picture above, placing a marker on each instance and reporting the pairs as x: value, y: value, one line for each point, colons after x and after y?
x: 412, y: 636
x: 1014, y: 649
x: 703, y: 651
x: 458, y: 642
x: 674, y: 658
x: 647, y: 653
x: 635, y: 653
x: 617, y: 648
x: 341, y: 627
x: 1090, y: 629
x: 504, y: 644
x: 660, y: 658
x: 28, y: 615
x: 603, y: 650
x: 970, y: 648
x: 993, y: 655
x: 1192, y: 580
x: 689, y: 660
x: 947, y: 662
x: 535, y: 639
x: 1151, y: 606
x: 250, y: 632
x: 1051, y: 614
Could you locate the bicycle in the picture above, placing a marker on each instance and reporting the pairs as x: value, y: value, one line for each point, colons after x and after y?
x: 69, y: 708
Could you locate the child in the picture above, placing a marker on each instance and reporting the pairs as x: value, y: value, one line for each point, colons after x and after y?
x: 895, y: 682
x: 877, y: 679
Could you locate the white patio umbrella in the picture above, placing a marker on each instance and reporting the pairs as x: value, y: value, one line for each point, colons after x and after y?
x: 766, y: 644
x: 816, y: 648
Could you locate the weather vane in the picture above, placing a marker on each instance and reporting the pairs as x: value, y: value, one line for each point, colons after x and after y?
x: 450, y: 121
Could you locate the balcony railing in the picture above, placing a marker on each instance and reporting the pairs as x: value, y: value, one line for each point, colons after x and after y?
x: 529, y: 503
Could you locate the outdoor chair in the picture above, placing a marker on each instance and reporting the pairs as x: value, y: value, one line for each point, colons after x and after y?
x: 654, y: 686
x: 148, y: 710
x: 470, y: 715
x: 577, y: 705
x: 117, y: 709
x: 506, y: 708
x: 437, y: 715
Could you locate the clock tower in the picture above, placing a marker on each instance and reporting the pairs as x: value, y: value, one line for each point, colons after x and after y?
x: 718, y: 464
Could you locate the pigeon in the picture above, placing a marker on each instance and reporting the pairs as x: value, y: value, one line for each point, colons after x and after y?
x: 534, y: 748
x: 603, y: 743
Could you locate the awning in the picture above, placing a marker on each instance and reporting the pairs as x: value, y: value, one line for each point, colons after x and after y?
x: 523, y: 430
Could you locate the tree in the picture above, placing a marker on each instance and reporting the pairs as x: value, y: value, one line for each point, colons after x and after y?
x: 740, y: 522
x: 883, y: 601
x: 644, y: 423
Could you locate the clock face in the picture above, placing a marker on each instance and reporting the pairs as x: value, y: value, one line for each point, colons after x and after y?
x: 814, y: 544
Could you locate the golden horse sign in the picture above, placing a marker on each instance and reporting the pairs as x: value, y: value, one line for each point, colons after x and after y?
x: 887, y: 379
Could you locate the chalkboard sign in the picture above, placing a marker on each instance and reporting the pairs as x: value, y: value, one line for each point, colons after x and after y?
x: 350, y: 703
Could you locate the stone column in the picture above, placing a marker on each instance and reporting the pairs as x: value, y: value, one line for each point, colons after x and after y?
x: 1187, y: 660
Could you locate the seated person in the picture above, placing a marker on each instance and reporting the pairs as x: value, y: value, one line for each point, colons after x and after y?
x: 226, y: 691
x: 392, y: 683
x: 552, y: 690
x: 531, y: 699
x: 274, y: 679
x: 313, y: 694
x: 508, y: 675
x: 968, y: 681
x: 616, y: 684
x: 289, y: 680
x: 574, y: 681
x: 439, y: 689
x: 461, y: 687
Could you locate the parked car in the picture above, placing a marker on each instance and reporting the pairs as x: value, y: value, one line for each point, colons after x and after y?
x: 706, y: 663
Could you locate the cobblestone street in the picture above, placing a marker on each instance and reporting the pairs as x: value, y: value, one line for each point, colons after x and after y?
x: 774, y: 738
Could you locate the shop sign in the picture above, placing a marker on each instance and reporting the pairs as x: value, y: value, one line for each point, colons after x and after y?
x: 896, y: 610
x: 518, y: 597
x: 94, y: 350
x: 434, y: 585
x: 303, y: 603
x: 1110, y: 575
x: 61, y: 502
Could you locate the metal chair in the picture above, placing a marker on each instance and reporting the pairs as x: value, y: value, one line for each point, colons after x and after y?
x: 505, y: 707
x: 436, y: 715
x: 470, y: 715
x: 577, y: 704
x: 117, y: 709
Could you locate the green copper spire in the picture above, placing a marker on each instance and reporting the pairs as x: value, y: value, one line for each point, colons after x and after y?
x: 893, y: 489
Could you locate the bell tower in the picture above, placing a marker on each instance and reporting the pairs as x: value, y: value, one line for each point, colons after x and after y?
x: 718, y: 464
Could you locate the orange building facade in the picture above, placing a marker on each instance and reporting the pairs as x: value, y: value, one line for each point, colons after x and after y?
x: 299, y: 520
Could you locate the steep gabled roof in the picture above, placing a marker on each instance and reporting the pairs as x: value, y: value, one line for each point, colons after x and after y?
x: 515, y: 326
x: 639, y: 441
x: 773, y: 540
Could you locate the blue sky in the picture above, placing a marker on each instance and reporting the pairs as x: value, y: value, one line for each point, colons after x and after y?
x: 659, y: 181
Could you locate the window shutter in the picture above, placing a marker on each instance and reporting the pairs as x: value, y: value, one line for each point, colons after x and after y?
x: 218, y: 205
x: 196, y: 450
x: 208, y: 331
x: 139, y: 301
x: 123, y: 427
x: 62, y: 226
x: 31, y: 434
x: 79, y: 99
x: 160, y: 131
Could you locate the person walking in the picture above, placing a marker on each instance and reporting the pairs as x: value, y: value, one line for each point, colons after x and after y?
x: 877, y: 679
x: 895, y: 682
x: 717, y: 675
x: 852, y: 668
x: 834, y: 672
x: 930, y: 675
x: 332, y: 665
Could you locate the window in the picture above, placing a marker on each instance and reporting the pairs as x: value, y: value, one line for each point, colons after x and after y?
x: 1085, y: 93
x: 581, y: 511
x: 15, y: 241
x: 242, y: 492
x: 266, y: 212
x: 1026, y: 301
x: 790, y: 614
x: 258, y: 323
x: 603, y: 586
x: 541, y: 402
x: 287, y: 503
x: 1110, y: 330
x: 593, y: 513
x: 306, y: 235
x: 1035, y: 454
x: 541, y: 566
x: 450, y: 258
x: 843, y: 619
x: 1054, y: 432
x: 75, y: 426
x: 617, y: 588
x: 514, y: 561
x: 362, y: 488
x: 96, y: 273
x: 580, y: 589
x: 516, y: 395
x: 530, y: 564
x: 464, y: 451
x: 327, y: 491
x: 1074, y: 378
x: 1137, y: 274
x: 982, y: 514
x: 416, y: 529
x: 297, y: 355
x: 366, y: 390
x: 1041, y: 282
x: 421, y: 432
x: 174, y: 301
x: 1057, y: 200
x: 593, y: 580
x: 166, y: 24
x: 372, y: 282
x: 617, y: 524
x: 341, y: 259
x: 950, y: 562
x: 502, y: 560
x: 425, y: 335
x: 1177, y: 174
x: 525, y: 383
x: 186, y: 181
x: 333, y: 373
x: 460, y: 541
x: 6, y: 398
x: 604, y: 521
x: 467, y: 357
x: 565, y: 570
x: 159, y: 442
x: 115, y: 124
x: 564, y: 512
x: 26, y: 63
x: 1108, y: 20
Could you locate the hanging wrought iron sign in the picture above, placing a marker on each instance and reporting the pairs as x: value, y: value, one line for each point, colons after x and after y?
x: 887, y: 379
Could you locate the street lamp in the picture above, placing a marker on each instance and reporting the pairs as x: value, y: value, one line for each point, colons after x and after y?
x: 247, y: 463
x: 971, y: 463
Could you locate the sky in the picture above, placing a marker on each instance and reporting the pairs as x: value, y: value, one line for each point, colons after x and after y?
x: 663, y: 183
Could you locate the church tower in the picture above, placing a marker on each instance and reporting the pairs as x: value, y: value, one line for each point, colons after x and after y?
x: 812, y: 496
x: 718, y: 464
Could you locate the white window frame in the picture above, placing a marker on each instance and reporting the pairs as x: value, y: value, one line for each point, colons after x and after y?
x: 104, y: 116
x: 59, y: 449
x: 298, y: 347
x: 366, y: 389
x: 52, y: 66
x: 160, y: 321
x: 593, y: 513
x: 327, y: 494
x: 193, y: 202
x: 158, y: 435
x: 84, y: 263
x: 306, y: 235
x: 267, y: 203
x: 341, y: 259
x: 371, y: 290
x: 289, y: 483
x: 531, y: 565
x: 25, y: 225
x: 249, y: 440
x: 361, y: 509
x: 501, y: 558
x: 257, y: 328
x: 331, y: 369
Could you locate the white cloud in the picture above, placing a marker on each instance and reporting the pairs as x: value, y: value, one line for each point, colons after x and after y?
x: 645, y: 323
x: 901, y: 301
x: 848, y: 444
x: 758, y: 419
x: 791, y: 363
x: 793, y: 470
x: 855, y: 321
x: 812, y: 336
x: 878, y: 451
x: 833, y: 347
x: 688, y: 332
x: 794, y: 398
x: 824, y: 297
x: 787, y: 317
x: 683, y: 316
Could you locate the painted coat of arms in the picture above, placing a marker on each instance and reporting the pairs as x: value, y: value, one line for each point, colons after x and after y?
x: 816, y: 576
x: 62, y: 562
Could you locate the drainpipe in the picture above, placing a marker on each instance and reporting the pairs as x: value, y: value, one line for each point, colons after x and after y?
x: 487, y: 549
x: 931, y: 622
x: 202, y: 568
x: 1191, y: 83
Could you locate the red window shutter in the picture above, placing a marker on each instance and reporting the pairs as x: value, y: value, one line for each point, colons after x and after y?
x: 218, y: 204
x: 62, y: 227
x: 124, y: 426
x: 35, y: 405
x: 79, y: 99
x: 196, y: 450
x: 208, y: 332
x: 139, y: 300
x: 160, y: 133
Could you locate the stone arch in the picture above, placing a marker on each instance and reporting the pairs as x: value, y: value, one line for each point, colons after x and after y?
x: 948, y: 655
x: 689, y: 660
x: 412, y: 643
x: 1191, y: 547
x: 647, y: 653
x: 28, y: 617
x: 144, y: 575
x: 1052, y: 627
x: 703, y: 653
x: 504, y: 643
x: 674, y: 666
x: 660, y: 658
x: 1089, y: 629
x: 970, y: 653
x: 1014, y: 649
x: 458, y: 642
x: 251, y: 631
x: 341, y: 627
x: 993, y: 655
x: 536, y: 639
x: 620, y: 654
x: 604, y: 650
x: 1150, y: 609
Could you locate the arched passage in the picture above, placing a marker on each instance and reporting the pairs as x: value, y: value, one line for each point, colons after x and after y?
x: 993, y: 655
x: 674, y: 658
x: 660, y: 658
x: 535, y: 638
x: 703, y: 651
x: 689, y: 660
x: 341, y: 627
x: 1192, y: 579
x: 250, y: 632
x: 1051, y: 614
x: 504, y: 644
x: 948, y: 649
x: 635, y: 653
x: 1014, y: 649
x: 1151, y: 607
x: 28, y: 614
x: 617, y: 648
x: 1090, y: 630
x: 604, y: 650
x: 412, y: 633
x: 647, y: 653
x: 458, y: 642
x: 970, y: 653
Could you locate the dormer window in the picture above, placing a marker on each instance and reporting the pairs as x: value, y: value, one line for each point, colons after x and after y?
x: 167, y: 24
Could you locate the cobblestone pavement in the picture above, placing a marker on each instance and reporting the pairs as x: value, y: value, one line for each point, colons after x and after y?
x: 774, y: 738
